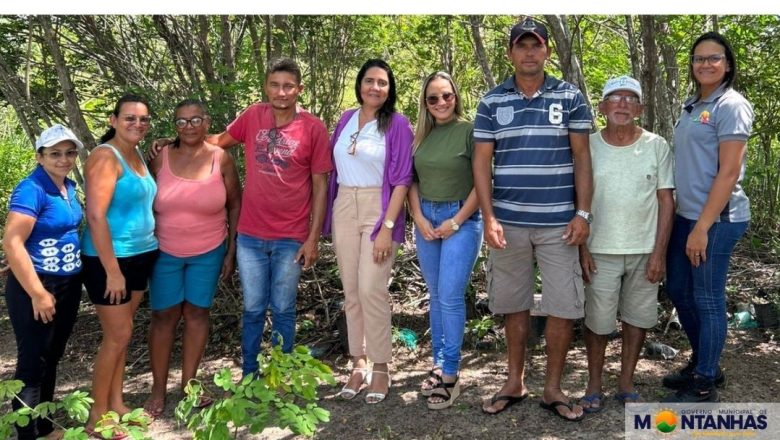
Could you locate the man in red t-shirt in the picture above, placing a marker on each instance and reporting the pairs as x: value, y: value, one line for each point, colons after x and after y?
x: 283, y: 205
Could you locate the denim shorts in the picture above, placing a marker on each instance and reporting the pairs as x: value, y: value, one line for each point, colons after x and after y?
x: 192, y: 279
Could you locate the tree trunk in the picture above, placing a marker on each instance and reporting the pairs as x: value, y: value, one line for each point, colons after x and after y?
x: 13, y: 91
x: 183, y: 59
x: 479, y: 49
x: 207, y: 63
x: 570, y: 62
x: 75, y: 117
x: 668, y: 98
x: 446, y: 51
x: 634, y: 51
x: 649, y: 76
x: 257, y: 51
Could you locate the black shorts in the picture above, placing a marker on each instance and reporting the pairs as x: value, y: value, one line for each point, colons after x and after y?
x: 136, y: 270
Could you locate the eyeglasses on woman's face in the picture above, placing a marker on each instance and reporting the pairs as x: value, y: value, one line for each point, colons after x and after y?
x: 140, y: 120
x: 434, y: 99
x: 195, y: 121
x: 711, y: 59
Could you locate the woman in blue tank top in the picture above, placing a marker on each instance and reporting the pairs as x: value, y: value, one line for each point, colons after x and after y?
x: 119, y: 246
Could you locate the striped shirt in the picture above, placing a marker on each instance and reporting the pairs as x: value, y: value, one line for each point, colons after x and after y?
x: 533, y: 175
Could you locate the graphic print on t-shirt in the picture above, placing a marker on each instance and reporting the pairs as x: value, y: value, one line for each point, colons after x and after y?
x: 273, y: 150
x: 51, y: 262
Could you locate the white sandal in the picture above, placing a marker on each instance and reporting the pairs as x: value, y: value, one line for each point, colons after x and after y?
x: 374, y: 397
x: 349, y: 393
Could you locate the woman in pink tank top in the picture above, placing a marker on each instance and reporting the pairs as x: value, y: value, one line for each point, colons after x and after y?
x: 196, y: 213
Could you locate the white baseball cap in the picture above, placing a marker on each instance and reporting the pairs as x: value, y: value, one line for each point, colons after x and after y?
x: 54, y: 135
x: 624, y: 82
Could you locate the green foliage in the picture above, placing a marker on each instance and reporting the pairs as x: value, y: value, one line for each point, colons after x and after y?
x: 479, y: 327
x: 222, y: 60
x: 17, y: 158
x: 282, y: 394
x: 76, y: 405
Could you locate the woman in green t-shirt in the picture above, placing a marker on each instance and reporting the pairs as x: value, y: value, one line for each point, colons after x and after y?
x: 448, y: 227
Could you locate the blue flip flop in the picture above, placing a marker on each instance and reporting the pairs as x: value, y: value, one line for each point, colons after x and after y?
x: 632, y: 396
x: 592, y: 398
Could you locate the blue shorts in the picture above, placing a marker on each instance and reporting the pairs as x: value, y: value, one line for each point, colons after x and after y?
x: 192, y: 279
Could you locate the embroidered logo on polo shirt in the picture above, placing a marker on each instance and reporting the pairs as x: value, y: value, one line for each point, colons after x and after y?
x: 505, y: 115
x: 704, y: 117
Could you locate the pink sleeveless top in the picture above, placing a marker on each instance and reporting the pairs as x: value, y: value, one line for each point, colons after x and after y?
x: 190, y: 214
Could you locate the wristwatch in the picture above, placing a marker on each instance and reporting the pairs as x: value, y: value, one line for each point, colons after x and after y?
x: 586, y: 215
x: 454, y: 225
x: 389, y: 224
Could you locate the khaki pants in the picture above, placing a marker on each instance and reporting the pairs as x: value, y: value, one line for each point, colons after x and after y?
x: 366, y: 299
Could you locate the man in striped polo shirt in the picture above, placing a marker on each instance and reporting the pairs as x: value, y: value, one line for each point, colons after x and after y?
x: 532, y: 133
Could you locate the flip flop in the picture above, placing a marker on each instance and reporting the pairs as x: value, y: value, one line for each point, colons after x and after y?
x: 553, y: 408
x: 628, y: 397
x: 593, y: 398
x: 510, y: 400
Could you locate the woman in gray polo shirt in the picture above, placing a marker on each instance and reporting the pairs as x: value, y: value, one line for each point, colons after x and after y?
x: 710, y: 141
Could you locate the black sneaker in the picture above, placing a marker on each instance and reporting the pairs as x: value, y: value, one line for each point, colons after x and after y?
x: 683, y: 378
x: 700, y: 390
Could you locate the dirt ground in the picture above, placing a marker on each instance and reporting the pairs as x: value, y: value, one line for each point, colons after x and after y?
x: 751, y: 361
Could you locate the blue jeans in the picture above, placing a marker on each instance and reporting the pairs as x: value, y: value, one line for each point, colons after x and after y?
x: 446, y: 266
x: 699, y: 293
x: 269, y: 277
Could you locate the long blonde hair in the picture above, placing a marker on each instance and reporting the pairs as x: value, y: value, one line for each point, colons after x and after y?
x: 426, y: 122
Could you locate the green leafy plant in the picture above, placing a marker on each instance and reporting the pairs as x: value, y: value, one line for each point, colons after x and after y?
x: 479, y: 327
x: 76, y: 405
x: 282, y: 393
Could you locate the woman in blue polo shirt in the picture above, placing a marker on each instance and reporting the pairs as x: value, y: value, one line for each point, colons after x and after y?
x: 710, y: 142
x: 43, y: 291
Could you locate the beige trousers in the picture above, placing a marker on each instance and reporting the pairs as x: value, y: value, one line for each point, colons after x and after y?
x: 366, y: 298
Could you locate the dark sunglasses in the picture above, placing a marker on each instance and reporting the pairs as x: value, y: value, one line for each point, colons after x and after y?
x: 434, y: 99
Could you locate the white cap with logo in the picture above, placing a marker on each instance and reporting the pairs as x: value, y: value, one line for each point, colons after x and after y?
x: 624, y: 82
x: 56, y: 134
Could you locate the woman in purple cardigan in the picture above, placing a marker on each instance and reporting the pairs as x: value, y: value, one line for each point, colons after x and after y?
x: 372, y: 156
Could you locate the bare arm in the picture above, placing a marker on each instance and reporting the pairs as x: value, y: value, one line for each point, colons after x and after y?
x: 233, y: 188
x: 578, y: 229
x: 729, y: 165
x: 309, y: 251
x: 222, y: 140
x: 18, y: 228
x: 101, y: 173
x: 656, y: 264
x: 482, y: 167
